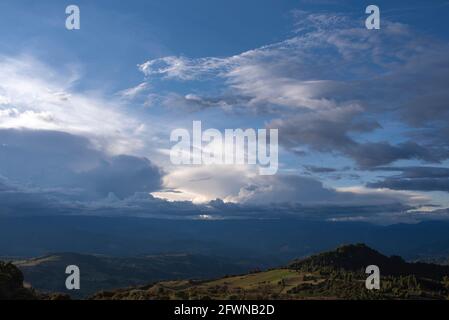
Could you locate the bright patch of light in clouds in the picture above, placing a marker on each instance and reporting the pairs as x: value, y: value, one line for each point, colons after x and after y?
x: 35, y: 96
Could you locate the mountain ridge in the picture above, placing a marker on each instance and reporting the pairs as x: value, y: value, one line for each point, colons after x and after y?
x: 356, y: 257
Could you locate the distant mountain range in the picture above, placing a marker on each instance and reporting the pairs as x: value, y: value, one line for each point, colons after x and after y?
x: 269, y: 243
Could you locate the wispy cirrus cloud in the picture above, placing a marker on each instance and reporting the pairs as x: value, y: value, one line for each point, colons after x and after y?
x: 132, y: 93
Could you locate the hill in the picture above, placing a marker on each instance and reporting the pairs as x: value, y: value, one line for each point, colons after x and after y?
x: 98, y: 272
x: 337, y: 274
x: 357, y: 257
x: 11, y: 284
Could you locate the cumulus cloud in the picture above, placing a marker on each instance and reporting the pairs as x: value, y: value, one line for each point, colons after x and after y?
x: 40, y: 202
x: 205, y: 183
x: 48, y: 172
x: 242, y: 185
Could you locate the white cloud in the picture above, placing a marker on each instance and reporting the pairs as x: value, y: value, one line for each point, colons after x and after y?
x: 242, y: 184
x: 182, y: 68
x: 36, y: 96
x: 133, y: 92
x: 332, y: 66
x: 301, y: 72
x: 206, y: 183
x: 301, y: 75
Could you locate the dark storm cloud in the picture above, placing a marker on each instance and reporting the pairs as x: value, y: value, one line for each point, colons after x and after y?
x: 55, y: 173
x: 413, y: 90
x: 17, y: 202
x: 316, y: 169
x: 294, y: 189
x: 417, y: 184
x: 284, y: 197
x: 415, y: 178
x: 122, y: 175
x: 329, y: 132
x: 51, y: 160
x: 382, y: 153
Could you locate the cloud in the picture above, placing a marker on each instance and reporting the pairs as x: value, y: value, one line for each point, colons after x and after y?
x: 17, y: 202
x: 38, y: 202
x: 181, y: 67
x: 284, y: 189
x: 71, y: 166
x: 311, y: 192
x: 382, y: 153
x: 317, y: 169
x: 35, y: 96
x: 415, y: 178
x: 133, y: 92
x: 204, y: 183
x: 123, y: 176
x: 55, y: 173
x: 331, y: 131
x: 334, y: 87
x: 242, y: 185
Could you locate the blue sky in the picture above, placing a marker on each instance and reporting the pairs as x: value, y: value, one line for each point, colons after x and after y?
x: 361, y: 113
x: 127, y: 34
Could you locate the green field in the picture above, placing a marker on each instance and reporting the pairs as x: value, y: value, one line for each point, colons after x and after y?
x: 273, y: 284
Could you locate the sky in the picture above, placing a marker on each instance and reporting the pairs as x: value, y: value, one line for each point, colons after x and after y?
x: 86, y: 115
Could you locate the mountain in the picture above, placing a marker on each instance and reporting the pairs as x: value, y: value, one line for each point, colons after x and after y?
x: 271, y: 242
x: 337, y: 274
x: 12, y: 286
x: 357, y: 257
x: 99, y: 272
